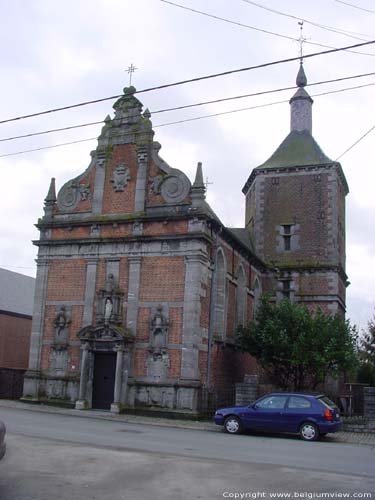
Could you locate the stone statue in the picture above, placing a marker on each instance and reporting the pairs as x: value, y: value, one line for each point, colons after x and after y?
x: 61, y: 323
x: 159, y: 328
x: 109, y: 286
x: 108, y: 308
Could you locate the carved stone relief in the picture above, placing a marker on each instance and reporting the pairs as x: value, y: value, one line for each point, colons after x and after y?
x: 120, y: 177
x: 159, y: 331
x: 71, y: 194
x: 175, y: 189
x: 61, y: 324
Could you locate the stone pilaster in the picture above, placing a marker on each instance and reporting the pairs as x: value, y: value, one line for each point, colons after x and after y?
x: 141, y: 184
x: 195, y: 270
x: 97, y: 201
x: 115, y: 406
x: 31, y: 383
x: 89, y: 292
x: 81, y: 404
x: 133, y: 292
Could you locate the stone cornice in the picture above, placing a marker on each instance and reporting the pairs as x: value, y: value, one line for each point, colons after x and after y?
x: 291, y: 169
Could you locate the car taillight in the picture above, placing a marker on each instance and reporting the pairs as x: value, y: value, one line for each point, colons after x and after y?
x: 328, y: 415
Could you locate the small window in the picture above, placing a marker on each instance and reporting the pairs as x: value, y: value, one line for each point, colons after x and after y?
x: 287, y: 228
x: 287, y: 242
x: 286, y: 284
x: 297, y: 402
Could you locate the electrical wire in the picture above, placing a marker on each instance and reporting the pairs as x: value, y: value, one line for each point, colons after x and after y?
x: 355, y: 6
x: 193, y: 80
x: 254, y: 28
x: 356, y: 142
x: 191, y: 119
x: 339, y: 31
x: 187, y: 106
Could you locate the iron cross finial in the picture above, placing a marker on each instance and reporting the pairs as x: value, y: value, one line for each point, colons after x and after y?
x: 207, y: 183
x: 131, y: 70
x: 301, y: 40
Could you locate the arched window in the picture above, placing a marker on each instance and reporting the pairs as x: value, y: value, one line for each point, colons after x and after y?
x: 241, y: 297
x: 257, y: 294
x: 220, y: 295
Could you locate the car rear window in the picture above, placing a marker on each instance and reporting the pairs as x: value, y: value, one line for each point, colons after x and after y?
x: 298, y: 402
x: 326, y: 401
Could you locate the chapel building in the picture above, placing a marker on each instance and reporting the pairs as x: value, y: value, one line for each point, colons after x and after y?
x: 140, y: 287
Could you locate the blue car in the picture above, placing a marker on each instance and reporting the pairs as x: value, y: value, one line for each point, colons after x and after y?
x: 2, y: 439
x: 308, y: 415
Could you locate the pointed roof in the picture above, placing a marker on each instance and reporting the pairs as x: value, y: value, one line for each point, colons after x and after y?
x: 51, y: 195
x: 299, y: 148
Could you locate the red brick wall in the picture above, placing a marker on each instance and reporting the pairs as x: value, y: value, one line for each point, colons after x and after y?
x: 162, y: 279
x: 229, y: 366
x: 297, y: 200
x: 205, y: 306
x: 175, y: 325
x: 116, y: 230
x: 14, y: 341
x: 163, y: 228
x: 66, y: 280
x: 140, y: 356
x: 121, y: 201
x: 73, y: 233
x: 174, y: 370
x: 143, y: 324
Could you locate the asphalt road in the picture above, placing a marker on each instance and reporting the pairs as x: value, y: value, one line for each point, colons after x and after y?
x: 65, y: 457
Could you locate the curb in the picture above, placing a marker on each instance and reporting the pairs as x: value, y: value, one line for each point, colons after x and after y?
x: 348, y: 437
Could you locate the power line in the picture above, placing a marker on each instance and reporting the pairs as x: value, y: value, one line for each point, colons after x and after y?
x: 258, y: 106
x: 355, y: 6
x: 356, y: 142
x: 193, y: 80
x: 187, y: 106
x: 318, y: 25
x: 191, y: 119
x: 254, y: 28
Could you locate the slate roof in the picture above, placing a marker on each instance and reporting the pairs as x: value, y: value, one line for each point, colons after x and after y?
x: 299, y: 148
x: 16, y: 292
x: 242, y: 235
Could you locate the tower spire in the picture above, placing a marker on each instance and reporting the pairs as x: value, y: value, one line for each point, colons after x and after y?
x: 301, y: 102
x: 198, y: 189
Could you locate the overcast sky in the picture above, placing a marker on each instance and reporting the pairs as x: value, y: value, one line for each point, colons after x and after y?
x: 54, y: 54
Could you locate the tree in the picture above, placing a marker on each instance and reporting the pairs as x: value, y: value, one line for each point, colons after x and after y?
x: 298, y: 348
x: 366, y: 372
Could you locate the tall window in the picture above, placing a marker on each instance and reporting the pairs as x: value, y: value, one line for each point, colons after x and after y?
x: 241, y: 297
x: 287, y: 236
x: 286, y: 289
x: 257, y: 294
x: 220, y: 295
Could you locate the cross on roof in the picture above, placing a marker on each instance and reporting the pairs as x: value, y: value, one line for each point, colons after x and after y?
x: 301, y: 40
x: 131, y: 70
x: 207, y: 183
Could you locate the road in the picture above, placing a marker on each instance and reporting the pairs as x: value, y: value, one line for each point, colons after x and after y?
x: 67, y: 457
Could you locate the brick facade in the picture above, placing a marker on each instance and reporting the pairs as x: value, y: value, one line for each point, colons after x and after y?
x: 136, y: 270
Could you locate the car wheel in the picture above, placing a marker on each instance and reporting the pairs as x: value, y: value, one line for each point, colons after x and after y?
x: 232, y: 425
x: 309, y: 431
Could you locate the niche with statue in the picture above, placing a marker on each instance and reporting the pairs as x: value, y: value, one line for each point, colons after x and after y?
x: 158, y: 359
x: 109, y: 303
